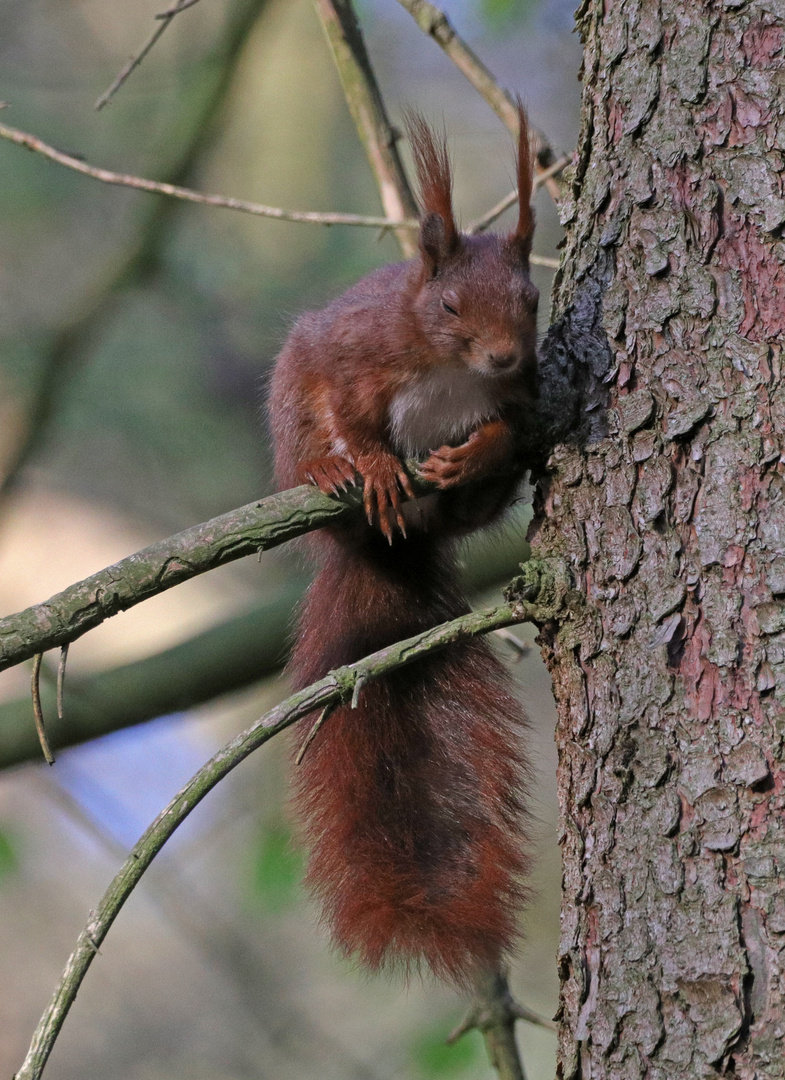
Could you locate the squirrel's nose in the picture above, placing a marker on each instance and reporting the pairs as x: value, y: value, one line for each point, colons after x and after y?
x: 502, y: 361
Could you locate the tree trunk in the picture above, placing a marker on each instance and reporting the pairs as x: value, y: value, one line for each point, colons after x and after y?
x: 667, y: 504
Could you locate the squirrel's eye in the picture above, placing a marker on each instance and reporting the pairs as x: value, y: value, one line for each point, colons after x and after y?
x: 447, y: 308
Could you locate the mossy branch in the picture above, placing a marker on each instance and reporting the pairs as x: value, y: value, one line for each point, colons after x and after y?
x: 248, y: 530
x: 336, y: 687
x: 222, y: 659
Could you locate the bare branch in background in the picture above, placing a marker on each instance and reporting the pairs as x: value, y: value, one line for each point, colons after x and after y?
x: 434, y: 22
x: 181, y: 6
x: 136, y: 60
x: 175, y: 191
x: 411, y: 225
x: 334, y: 687
x: 70, y: 344
x: 480, y: 224
x: 366, y: 105
x: 237, y: 956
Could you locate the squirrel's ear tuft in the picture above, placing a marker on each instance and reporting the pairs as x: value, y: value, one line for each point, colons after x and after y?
x: 521, y: 239
x: 439, y: 236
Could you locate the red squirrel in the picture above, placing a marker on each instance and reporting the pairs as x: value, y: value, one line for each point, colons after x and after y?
x: 411, y: 802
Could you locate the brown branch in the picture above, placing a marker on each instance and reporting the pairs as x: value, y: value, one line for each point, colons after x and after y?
x: 366, y: 105
x: 480, y: 224
x: 136, y: 60
x: 61, y: 681
x: 175, y: 191
x: 71, y: 343
x: 411, y: 225
x: 433, y: 21
x: 181, y: 6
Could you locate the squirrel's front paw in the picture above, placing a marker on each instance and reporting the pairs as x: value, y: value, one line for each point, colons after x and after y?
x: 331, y: 474
x: 451, y: 465
x: 384, y: 479
x: 483, y: 454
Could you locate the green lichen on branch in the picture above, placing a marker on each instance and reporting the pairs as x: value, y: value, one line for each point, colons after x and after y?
x: 248, y: 530
x: 335, y: 687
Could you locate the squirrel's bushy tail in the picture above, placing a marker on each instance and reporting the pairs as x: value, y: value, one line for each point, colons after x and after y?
x: 411, y: 803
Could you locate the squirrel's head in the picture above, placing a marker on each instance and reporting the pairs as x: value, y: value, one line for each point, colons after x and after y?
x: 476, y: 302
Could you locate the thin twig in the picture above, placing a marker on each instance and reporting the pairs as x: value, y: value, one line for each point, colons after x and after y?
x: 519, y: 648
x: 70, y: 345
x: 136, y: 60
x: 334, y: 687
x: 358, y: 686
x: 480, y: 224
x: 323, y: 715
x: 529, y: 1016
x: 544, y: 260
x: 366, y: 105
x: 175, y: 191
x: 38, y: 712
x: 30, y: 142
x: 433, y: 21
x: 176, y: 9
x: 61, y: 680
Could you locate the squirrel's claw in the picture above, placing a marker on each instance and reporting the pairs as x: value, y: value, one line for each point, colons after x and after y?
x: 383, y: 481
x: 331, y: 474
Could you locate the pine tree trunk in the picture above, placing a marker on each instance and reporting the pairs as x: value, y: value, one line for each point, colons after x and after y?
x: 667, y: 503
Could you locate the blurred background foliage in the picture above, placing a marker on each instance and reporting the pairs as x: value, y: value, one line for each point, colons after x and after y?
x: 144, y: 331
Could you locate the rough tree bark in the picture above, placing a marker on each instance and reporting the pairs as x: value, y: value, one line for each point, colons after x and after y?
x: 668, y: 509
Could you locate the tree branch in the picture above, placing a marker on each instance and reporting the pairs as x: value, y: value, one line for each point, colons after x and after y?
x: 166, y: 18
x: 433, y: 21
x: 311, y: 217
x: 337, y: 686
x: 494, y: 1012
x: 482, y: 223
x: 175, y: 191
x: 227, y: 950
x: 72, y: 341
x: 248, y: 530
x: 366, y: 105
x: 220, y: 660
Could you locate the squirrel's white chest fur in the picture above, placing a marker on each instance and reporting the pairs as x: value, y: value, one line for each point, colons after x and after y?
x: 442, y: 406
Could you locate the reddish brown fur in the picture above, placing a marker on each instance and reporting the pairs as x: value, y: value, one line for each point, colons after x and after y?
x: 411, y: 803
x: 432, y: 161
x: 525, y: 227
